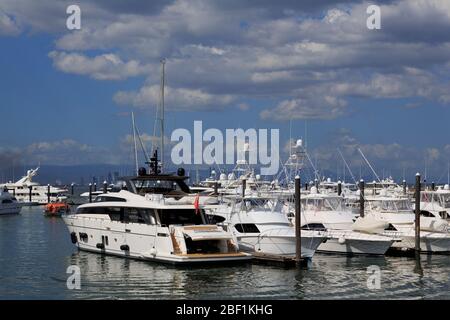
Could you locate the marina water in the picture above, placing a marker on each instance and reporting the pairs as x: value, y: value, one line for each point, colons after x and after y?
x: 35, y: 252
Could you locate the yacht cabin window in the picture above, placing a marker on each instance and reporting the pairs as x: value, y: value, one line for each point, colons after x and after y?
x: 180, y: 216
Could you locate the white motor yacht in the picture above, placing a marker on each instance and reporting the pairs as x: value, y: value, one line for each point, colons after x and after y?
x: 260, y: 226
x: 398, y: 212
x: 151, y: 217
x: 321, y: 211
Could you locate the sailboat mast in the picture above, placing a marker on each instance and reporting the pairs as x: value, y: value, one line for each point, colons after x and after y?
x: 135, y: 146
x: 163, y: 63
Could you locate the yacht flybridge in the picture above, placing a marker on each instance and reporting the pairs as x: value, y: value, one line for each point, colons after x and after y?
x: 152, y: 217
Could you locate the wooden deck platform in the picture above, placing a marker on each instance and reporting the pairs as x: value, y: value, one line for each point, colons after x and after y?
x: 286, y: 261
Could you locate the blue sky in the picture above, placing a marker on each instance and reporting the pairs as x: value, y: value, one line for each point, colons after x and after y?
x: 66, y: 96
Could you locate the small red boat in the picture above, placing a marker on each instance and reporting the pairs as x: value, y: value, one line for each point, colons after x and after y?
x: 56, y: 208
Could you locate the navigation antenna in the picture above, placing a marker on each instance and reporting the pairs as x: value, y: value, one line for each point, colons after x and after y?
x: 160, y: 108
x: 370, y: 166
x: 135, y: 146
x: 348, y: 168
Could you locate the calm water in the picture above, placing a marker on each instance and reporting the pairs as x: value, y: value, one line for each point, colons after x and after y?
x: 35, y: 252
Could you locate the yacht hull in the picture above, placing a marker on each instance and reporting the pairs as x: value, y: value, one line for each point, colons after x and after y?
x: 430, y: 242
x: 278, y: 244
x: 350, y: 242
x: 143, y: 242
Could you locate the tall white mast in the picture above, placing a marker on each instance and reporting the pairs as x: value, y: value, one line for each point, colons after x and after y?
x: 163, y: 63
x: 135, y: 146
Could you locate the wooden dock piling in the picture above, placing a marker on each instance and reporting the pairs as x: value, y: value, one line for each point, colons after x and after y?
x: 361, y: 198
x: 298, y: 232
x: 417, y: 212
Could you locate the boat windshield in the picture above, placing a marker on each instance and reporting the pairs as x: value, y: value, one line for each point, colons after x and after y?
x: 328, y: 204
x: 393, y: 205
x: 154, y: 186
x: 445, y: 200
x: 255, y: 203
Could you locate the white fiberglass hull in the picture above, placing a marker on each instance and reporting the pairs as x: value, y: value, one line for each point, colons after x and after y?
x: 429, y: 241
x: 281, y: 242
x: 144, y: 242
x: 350, y: 242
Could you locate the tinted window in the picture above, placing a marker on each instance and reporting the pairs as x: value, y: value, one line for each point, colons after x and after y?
x: 138, y: 215
x: 109, y: 199
x: 314, y: 226
x: 180, y: 216
x: 246, y: 228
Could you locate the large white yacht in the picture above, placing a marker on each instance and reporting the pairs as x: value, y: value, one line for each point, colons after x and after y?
x: 8, y: 203
x: 38, y: 195
x: 260, y: 226
x: 152, y: 217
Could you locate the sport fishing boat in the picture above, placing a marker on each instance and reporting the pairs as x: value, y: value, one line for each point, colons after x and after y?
x: 152, y: 217
x: 8, y: 203
x: 398, y: 212
x: 29, y: 192
x: 260, y: 226
x: 326, y: 212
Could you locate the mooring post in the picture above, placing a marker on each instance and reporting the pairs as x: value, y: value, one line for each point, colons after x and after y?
x: 48, y: 193
x: 433, y: 186
x: 71, y: 188
x: 404, y: 186
x: 316, y: 183
x: 244, y: 185
x: 105, y: 187
x: 95, y: 186
x: 339, y: 188
x: 361, y: 198
x: 306, y: 186
x: 417, y: 212
x: 298, y: 232
x: 30, y: 188
x: 90, y: 192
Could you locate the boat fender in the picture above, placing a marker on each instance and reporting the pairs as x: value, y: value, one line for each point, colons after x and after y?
x: 153, y: 251
x: 100, y: 246
x: 341, y: 240
x: 73, y: 237
x: 125, y: 247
